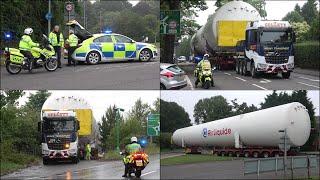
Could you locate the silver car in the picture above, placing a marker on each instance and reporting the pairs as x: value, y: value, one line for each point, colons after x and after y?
x: 172, y: 77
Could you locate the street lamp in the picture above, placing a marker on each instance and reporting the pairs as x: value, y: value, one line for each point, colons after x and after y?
x: 117, y: 118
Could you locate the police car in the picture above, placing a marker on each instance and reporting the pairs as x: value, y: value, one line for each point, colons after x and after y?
x: 110, y: 47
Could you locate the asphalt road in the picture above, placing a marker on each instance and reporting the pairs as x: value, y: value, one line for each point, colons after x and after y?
x: 223, y: 170
x: 229, y: 80
x: 85, y: 170
x: 122, y: 75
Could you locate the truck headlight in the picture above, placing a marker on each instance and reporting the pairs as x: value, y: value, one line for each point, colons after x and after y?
x: 45, y: 152
x: 262, y: 66
x: 67, y: 146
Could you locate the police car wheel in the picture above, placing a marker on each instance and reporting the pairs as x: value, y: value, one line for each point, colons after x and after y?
x: 145, y: 55
x: 93, y: 57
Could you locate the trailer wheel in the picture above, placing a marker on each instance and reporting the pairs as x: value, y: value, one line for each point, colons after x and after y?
x: 230, y: 154
x: 222, y: 153
x: 246, y: 154
x: 45, y: 161
x: 241, y: 66
x: 286, y: 75
x: 237, y: 67
x: 255, y: 154
x: 265, y: 154
x: 276, y: 155
x: 237, y: 154
x: 253, y: 71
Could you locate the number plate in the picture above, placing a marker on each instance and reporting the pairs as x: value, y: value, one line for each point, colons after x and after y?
x: 139, y: 163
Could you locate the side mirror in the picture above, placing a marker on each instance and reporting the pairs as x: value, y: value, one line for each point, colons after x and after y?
x: 39, y: 126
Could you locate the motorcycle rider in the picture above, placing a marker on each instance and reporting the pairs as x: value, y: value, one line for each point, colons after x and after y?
x: 56, y: 40
x: 25, y: 46
x: 203, y: 64
x: 130, y: 149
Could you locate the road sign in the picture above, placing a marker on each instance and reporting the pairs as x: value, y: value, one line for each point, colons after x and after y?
x: 170, y: 22
x: 153, y: 126
x: 48, y: 16
x: 69, y: 7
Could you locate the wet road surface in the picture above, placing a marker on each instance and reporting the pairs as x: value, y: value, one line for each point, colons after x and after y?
x: 85, y: 170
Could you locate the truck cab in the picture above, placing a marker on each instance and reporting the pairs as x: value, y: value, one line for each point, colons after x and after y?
x: 268, y: 48
x: 59, y: 136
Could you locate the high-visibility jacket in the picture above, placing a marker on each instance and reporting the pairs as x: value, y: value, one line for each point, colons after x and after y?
x: 88, y: 148
x: 72, y: 40
x: 204, y: 65
x: 133, y: 148
x: 54, y: 40
x: 26, y: 43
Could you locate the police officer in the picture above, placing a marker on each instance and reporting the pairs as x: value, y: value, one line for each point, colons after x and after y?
x: 203, y: 64
x: 25, y: 46
x: 73, y: 44
x: 130, y: 149
x: 56, y: 40
x: 88, y: 151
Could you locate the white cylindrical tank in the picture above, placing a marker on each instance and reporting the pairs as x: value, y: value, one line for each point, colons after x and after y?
x: 232, y: 11
x: 65, y: 103
x: 259, y: 128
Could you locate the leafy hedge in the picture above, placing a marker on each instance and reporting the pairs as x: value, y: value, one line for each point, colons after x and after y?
x: 307, y: 55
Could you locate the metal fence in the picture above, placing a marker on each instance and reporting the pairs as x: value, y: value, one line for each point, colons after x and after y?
x: 276, y: 164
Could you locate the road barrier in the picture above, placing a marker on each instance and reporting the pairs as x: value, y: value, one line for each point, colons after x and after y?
x: 275, y: 164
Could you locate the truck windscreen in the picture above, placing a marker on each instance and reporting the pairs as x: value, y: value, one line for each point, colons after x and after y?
x: 58, y: 125
x: 275, y: 36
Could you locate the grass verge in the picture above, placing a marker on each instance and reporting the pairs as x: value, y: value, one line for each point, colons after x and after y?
x: 192, y: 158
x: 17, y: 161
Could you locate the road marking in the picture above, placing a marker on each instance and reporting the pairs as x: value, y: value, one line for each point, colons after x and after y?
x: 240, y: 79
x: 267, y: 80
x: 259, y: 87
x: 189, y: 82
x: 148, y: 173
x: 314, y: 80
x: 308, y: 85
x: 228, y: 74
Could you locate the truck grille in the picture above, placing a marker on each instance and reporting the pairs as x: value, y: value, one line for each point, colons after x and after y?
x: 279, y: 57
x: 58, y: 146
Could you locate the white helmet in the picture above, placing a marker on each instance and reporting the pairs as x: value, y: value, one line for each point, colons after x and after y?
x: 28, y: 31
x: 134, y: 139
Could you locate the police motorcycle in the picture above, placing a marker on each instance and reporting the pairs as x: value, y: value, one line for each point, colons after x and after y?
x: 204, y: 75
x: 43, y: 57
x: 138, y: 161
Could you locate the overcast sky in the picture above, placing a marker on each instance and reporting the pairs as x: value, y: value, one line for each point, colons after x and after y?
x: 187, y: 99
x: 276, y: 10
x: 101, y: 100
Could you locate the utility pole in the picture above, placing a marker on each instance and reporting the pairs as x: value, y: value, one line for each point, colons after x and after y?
x: 49, y: 21
x: 117, y: 118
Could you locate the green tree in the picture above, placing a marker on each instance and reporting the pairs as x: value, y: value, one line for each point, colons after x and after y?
x: 156, y: 106
x: 309, y: 11
x: 293, y: 16
x: 140, y: 112
x: 37, y: 100
x: 258, y: 4
x: 301, y: 29
x: 108, y: 121
x: 211, y: 109
x: 172, y: 117
x: 242, y: 108
x: 314, y: 31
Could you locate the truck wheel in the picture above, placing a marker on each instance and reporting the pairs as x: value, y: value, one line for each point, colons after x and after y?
x: 255, y: 154
x: 276, y: 155
x: 222, y: 153
x: 237, y: 154
x: 286, y: 75
x: 230, y: 154
x: 265, y: 154
x: 253, y: 71
x: 237, y: 67
x: 246, y: 154
x: 45, y: 161
x: 241, y: 68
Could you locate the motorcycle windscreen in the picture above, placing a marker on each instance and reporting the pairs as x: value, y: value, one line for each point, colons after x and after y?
x: 79, y: 30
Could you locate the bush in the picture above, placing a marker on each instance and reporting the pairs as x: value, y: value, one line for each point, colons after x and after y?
x: 112, y: 155
x: 152, y: 149
x: 307, y: 55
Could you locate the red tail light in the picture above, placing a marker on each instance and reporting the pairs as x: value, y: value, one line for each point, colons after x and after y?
x: 168, y: 74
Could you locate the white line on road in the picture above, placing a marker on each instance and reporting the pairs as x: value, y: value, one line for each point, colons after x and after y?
x: 240, y: 79
x: 148, y: 173
x: 228, y: 74
x: 267, y: 80
x: 259, y: 87
x: 189, y: 82
x: 314, y: 80
x: 308, y: 85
